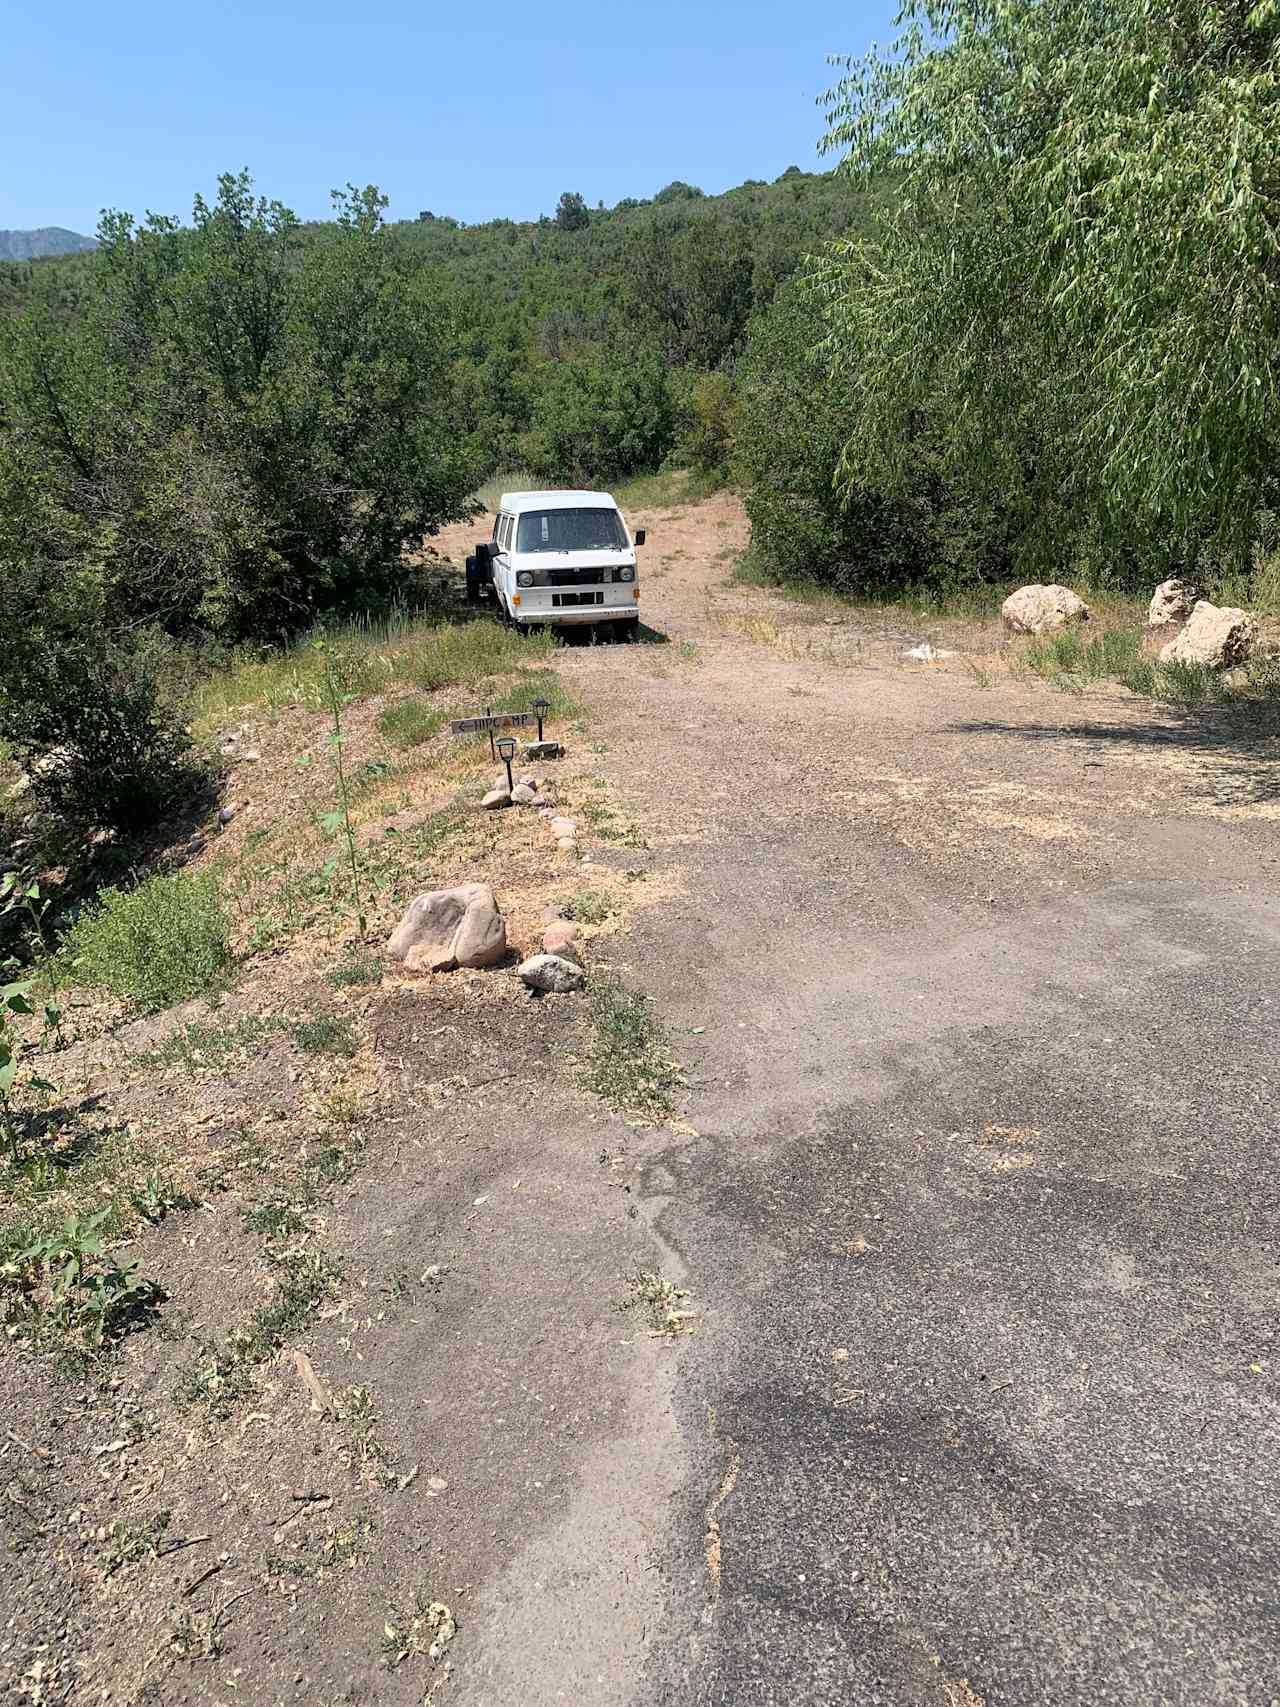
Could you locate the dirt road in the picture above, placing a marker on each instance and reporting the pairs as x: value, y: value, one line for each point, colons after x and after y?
x: 976, y: 982
x: 972, y: 1195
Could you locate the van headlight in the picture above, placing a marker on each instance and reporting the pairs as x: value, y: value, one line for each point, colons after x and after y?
x: 524, y: 578
x: 624, y: 574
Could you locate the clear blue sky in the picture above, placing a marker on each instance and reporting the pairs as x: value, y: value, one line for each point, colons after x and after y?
x: 475, y: 110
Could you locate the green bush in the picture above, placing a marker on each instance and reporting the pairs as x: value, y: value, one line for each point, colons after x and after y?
x: 103, y: 743
x: 599, y: 417
x: 158, y: 944
x: 789, y: 433
x: 710, y: 409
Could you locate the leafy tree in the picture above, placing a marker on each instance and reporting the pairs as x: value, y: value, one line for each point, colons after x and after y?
x: 571, y: 212
x: 236, y: 430
x: 600, y: 417
x: 790, y: 429
x: 691, y: 288
x: 247, y: 426
x: 711, y: 411
x: 1089, y: 223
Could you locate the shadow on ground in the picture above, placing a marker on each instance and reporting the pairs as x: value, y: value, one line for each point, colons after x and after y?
x: 1241, y: 764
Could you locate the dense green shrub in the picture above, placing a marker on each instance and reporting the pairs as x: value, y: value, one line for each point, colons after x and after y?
x: 600, y: 417
x: 155, y: 945
x: 104, y: 743
x: 709, y: 407
x: 789, y: 434
x: 241, y: 427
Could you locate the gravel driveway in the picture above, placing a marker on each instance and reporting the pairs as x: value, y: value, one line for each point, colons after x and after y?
x: 976, y: 982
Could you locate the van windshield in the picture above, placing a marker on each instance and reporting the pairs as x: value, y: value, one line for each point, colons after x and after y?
x: 571, y: 530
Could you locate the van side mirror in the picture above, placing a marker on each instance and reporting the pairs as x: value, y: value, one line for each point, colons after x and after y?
x: 640, y: 536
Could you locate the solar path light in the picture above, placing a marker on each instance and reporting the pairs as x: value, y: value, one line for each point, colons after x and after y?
x: 507, y: 752
x: 540, y: 709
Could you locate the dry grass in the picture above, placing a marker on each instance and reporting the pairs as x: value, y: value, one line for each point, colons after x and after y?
x: 404, y: 651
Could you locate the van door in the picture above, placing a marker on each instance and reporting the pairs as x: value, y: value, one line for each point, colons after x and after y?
x: 500, y: 556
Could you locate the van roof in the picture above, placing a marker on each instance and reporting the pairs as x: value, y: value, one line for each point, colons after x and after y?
x: 516, y: 502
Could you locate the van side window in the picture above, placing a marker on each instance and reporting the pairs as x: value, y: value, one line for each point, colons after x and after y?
x: 504, y: 532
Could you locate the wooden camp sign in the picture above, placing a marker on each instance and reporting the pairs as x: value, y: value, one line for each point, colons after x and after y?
x: 496, y: 720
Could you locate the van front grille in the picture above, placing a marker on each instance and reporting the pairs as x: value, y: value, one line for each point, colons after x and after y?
x: 577, y: 577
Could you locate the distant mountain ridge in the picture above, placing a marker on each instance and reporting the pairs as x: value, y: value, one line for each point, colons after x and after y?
x: 48, y: 240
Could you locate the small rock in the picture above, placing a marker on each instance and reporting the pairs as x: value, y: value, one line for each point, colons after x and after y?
x: 1173, y: 601
x: 552, y: 972
x: 193, y: 847
x: 560, y: 938
x: 497, y: 798
x: 251, y: 757
x: 1219, y: 636
x: 542, y: 750
x: 567, y: 844
x: 448, y: 928
x: 528, y: 780
x: 227, y: 814
x: 928, y: 654
x: 1033, y: 609
x: 523, y: 795
x: 563, y: 827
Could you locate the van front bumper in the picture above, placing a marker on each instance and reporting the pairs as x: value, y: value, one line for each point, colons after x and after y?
x: 528, y: 616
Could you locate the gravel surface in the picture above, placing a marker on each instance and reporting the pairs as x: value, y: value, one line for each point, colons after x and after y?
x: 978, y: 1211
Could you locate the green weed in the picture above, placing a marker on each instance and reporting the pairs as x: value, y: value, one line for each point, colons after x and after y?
x: 155, y: 945
x: 630, y: 1064
x: 330, y: 1165
x: 410, y: 722
x: 1073, y: 660
x: 666, y: 490
x: 587, y: 906
x: 302, y: 1279
x: 1069, y: 653
x: 279, y: 1221
x: 157, y: 1196
x: 329, y: 1034
x: 125, y: 1545
x: 512, y: 480
x: 361, y: 968
x: 63, y: 1289
x: 199, y: 1045
x: 407, y: 649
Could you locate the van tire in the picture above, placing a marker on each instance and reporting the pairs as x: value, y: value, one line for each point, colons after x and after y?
x: 473, y: 581
x: 629, y: 628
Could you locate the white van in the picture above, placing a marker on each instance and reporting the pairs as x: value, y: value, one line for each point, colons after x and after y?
x: 559, y: 557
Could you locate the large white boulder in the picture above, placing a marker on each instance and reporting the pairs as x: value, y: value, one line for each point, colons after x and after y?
x: 1033, y: 609
x: 1220, y: 636
x: 448, y: 928
x: 1172, y: 601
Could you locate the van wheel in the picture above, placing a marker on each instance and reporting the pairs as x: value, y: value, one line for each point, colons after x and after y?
x: 629, y: 628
